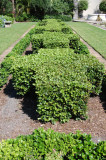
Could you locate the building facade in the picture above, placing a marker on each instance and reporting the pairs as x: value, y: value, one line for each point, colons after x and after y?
x: 93, y: 7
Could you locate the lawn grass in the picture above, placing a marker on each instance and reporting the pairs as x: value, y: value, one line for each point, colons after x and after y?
x: 9, y: 35
x: 94, y: 36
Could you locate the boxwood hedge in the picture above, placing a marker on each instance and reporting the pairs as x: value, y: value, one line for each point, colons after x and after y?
x: 7, y: 63
x: 51, y: 25
x: 50, y: 145
x: 62, y: 81
x: 58, y: 39
x: 49, y: 40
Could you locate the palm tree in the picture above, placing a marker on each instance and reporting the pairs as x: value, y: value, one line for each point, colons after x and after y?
x: 23, y: 5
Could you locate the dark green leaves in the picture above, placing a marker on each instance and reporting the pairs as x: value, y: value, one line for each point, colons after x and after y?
x: 50, y: 145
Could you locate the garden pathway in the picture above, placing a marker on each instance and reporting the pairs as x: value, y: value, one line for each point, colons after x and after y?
x: 7, y: 51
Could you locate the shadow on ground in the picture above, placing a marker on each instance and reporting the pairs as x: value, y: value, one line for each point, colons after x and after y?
x: 29, y: 105
x: 28, y: 102
x: 103, y: 97
x: 28, y: 52
x: 10, y: 91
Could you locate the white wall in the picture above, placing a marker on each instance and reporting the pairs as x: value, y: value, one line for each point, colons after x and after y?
x: 93, y: 7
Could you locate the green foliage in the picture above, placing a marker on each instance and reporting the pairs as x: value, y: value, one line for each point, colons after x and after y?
x: 51, y: 25
x: 49, y: 40
x: 7, y: 5
x: 102, y: 6
x: 71, y: 6
x: 54, y: 156
x: 91, y: 35
x: 5, y: 18
x: 61, y: 17
x: 19, y: 48
x: 1, y: 22
x: 43, y: 145
x: 3, y: 77
x: 42, y: 4
x: 79, y: 48
x: 8, y: 18
x: 42, y: 7
x: 82, y: 5
x: 44, y: 39
x: 62, y: 81
x: 26, y: 17
x: 59, y: 7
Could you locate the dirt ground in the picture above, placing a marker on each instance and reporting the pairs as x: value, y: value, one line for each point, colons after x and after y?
x: 18, y: 116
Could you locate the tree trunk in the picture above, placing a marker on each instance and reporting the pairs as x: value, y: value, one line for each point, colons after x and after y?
x: 75, y: 17
x: 13, y: 8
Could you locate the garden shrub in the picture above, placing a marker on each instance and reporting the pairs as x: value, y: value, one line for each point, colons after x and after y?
x: 60, y: 17
x: 94, y: 70
x: 49, y: 40
x: 102, y: 6
x: 26, y: 17
x: 43, y: 145
x: 82, y: 5
x: 58, y: 39
x: 37, y: 42
x: 61, y: 86
x: 51, y: 25
x: 5, y: 68
x: 74, y: 41
x: 7, y: 18
x: 62, y: 81
x: 3, y: 76
x: 81, y: 48
x: 1, y: 23
x: 55, y: 39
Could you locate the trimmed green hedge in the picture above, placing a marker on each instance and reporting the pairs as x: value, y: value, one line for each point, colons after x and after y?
x: 51, y: 25
x: 59, y: 17
x: 49, y: 40
x: 8, y: 61
x: 58, y: 39
x: 62, y: 81
x: 48, y: 145
x: 54, y: 33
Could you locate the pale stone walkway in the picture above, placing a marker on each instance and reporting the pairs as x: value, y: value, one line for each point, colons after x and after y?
x: 7, y: 51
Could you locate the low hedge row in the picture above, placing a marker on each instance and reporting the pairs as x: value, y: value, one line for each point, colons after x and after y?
x: 54, y: 33
x: 7, y: 63
x: 49, y: 40
x: 60, y: 17
x: 50, y: 145
x: 58, y: 39
x: 51, y: 25
x: 62, y: 81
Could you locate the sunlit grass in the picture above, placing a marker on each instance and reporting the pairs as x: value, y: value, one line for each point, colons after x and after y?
x: 9, y: 35
x: 96, y: 37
